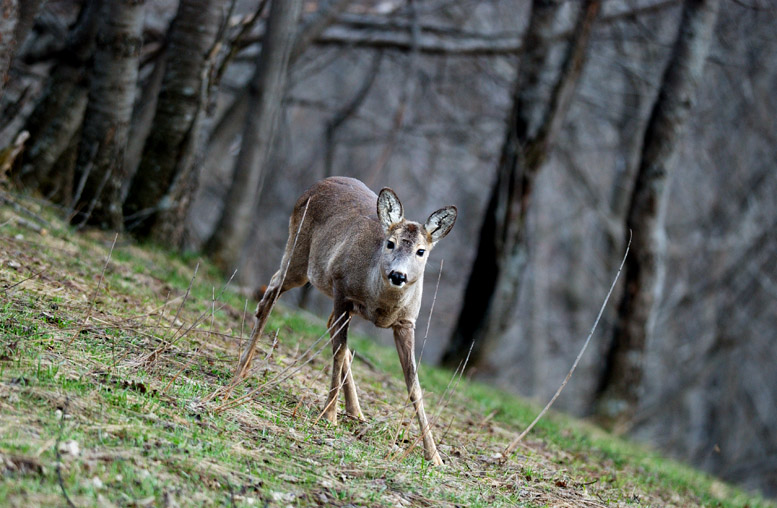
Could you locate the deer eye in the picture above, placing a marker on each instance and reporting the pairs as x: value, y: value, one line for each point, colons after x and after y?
x: 420, y: 252
x: 390, y: 245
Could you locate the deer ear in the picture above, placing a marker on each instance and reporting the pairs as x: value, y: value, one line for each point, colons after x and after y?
x: 440, y: 223
x: 389, y: 208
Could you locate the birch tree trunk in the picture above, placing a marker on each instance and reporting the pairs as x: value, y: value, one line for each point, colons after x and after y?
x: 619, y: 389
x: 100, y: 161
x: 266, y: 90
x: 153, y: 202
x: 535, y: 118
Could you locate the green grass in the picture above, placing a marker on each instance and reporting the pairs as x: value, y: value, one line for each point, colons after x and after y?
x: 105, y: 399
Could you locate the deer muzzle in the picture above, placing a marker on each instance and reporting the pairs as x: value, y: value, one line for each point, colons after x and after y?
x: 397, y: 278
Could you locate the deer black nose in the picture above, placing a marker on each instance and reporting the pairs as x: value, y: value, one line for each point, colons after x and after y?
x: 397, y: 278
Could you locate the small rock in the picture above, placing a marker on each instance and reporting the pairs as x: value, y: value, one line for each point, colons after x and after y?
x: 282, y: 497
x: 69, y: 448
x: 102, y: 502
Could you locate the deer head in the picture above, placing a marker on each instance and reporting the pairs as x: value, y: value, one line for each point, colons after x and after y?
x: 408, y: 243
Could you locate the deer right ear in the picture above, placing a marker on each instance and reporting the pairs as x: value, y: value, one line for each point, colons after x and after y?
x: 389, y: 209
x: 440, y: 223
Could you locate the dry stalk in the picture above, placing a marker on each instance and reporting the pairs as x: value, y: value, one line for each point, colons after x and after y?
x: 59, y: 456
x: 212, y: 309
x: 185, y: 297
x: 282, y: 376
x: 400, y: 420
x: 176, y: 336
x: 310, y: 387
x: 183, y: 367
x: 94, y: 295
x: 514, y: 443
x: 242, y: 325
x: 161, y: 311
x: 431, y: 311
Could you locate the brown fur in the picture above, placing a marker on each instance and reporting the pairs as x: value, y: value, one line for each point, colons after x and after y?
x: 358, y: 249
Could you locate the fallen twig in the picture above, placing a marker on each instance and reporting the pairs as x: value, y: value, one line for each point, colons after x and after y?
x: 24, y: 280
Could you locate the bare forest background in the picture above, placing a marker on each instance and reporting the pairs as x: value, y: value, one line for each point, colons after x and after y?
x: 559, y: 128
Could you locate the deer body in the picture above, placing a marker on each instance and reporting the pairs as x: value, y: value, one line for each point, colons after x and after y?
x: 345, y: 250
x: 358, y: 249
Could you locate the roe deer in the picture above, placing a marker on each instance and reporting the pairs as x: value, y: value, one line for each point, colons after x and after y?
x: 371, y: 264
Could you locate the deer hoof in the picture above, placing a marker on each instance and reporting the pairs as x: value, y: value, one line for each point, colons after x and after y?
x: 330, y: 416
x: 436, y: 460
x: 359, y: 417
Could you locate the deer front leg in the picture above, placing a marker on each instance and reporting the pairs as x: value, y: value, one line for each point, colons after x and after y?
x: 404, y: 338
x: 341, y: 363
x: 352, y: 407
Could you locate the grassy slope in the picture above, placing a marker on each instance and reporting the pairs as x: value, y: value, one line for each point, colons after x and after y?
x: 104, y: 400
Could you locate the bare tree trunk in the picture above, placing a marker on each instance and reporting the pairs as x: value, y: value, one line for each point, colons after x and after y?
x: 9, y: 18
x: 28, y: 9
x: 58, y: 115
x: 142, y: 120
x: 100, y: 161
x: 619, y: 389
x: 346, y: 112
x: 169, y: 152
x: 266, y: 89
x: 231, y: 123
x: 495, y: 280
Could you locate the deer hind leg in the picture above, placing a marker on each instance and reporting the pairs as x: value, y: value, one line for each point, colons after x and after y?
x: 404, y: 339
x: 271, y: 294
x: 278, y: 285
x: 292, y: 274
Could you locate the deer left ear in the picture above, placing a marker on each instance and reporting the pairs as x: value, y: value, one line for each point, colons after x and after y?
x: 440, y: 223
x: 389, y: 209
